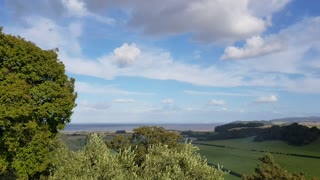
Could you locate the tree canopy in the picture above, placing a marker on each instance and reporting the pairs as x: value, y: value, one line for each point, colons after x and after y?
x: 97, y: 161
x: 36, y: 100
x: 294, y: 134
x: 144, y: 137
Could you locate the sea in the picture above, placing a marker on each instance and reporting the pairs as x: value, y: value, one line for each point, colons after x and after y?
x: 129, y: 127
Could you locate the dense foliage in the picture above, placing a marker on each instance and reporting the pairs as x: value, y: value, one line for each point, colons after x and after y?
x: 294, y: 134
x: 269, y: 170
x: 237, y: 133
x: 229, y: 126
x: 97, y: 161
x: 143, y: 138
x: 36, y: 100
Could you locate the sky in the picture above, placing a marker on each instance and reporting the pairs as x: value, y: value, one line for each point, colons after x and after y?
x: 186, y: 61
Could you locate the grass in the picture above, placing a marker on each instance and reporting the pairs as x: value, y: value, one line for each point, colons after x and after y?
x: 242, y: 160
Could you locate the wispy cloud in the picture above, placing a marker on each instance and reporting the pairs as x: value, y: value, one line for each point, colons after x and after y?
x: 215, y: 102
x: 167, y: 101
x: 124, y: 101
x: 85, y: 87
x: 267, y: 99
x: 86, y: 106
x: 206, y: 93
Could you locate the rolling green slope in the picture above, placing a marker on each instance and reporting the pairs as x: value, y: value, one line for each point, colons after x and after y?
x: 237, y: 155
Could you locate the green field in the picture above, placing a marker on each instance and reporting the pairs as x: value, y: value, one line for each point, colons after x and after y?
x: 241, y: 159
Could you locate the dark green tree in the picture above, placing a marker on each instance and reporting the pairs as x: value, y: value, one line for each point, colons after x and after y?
x: 36, y: 101
x: 269, y: 170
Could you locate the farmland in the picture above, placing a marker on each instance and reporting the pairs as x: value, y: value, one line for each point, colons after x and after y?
x: 241, y: 155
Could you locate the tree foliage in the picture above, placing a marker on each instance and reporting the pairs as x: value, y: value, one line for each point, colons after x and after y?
x: 229, y: 126
x: 294, y: 134
x: 36, y: 100
x: 144, y: 137
x: 97, y: 161
x: 269, y: 170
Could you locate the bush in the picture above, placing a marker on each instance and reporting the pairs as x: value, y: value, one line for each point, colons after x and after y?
x: 269, y: 170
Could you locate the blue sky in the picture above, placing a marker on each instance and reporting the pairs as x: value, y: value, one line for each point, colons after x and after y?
x: 205, y: 61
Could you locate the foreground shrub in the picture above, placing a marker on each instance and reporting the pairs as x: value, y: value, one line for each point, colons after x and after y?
x: 97, y: 161
x: 269, y: 170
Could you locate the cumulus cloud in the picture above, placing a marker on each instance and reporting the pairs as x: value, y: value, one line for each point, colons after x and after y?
x: 265, y: 8
x: 254, y: 46
x: 267, y: 99
x: 126, y: 54
x: 167, y: 101
x: 124, y: 100
x: 215, y: 102
x: 212, y: 21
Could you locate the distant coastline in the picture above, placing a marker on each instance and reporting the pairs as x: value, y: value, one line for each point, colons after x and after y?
x: 112, y: 127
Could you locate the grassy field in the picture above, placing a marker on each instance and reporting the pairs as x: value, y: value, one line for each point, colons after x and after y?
x: 241, y: 159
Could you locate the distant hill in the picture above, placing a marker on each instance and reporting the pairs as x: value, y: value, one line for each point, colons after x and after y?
x: 256, y: 121
x: 297, y: 119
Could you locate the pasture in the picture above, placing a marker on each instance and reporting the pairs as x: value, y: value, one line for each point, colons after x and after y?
x: 241, y: 155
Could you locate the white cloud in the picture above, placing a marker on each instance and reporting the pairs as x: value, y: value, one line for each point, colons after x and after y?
x: 91, y: 107
x: 265, y: 8
x: 85, y: 87
x: 267, y: 99
x: 212, y: 21
x: 75, y: 7
x: 153, y: 64
x: 254, y: 46
x: 215, y: 102
x: 126, y: 54
x: 47, y: 34
x: 206, y: 93
x: 124, y: 100
x: 273, y: 70
x: 167, y: 101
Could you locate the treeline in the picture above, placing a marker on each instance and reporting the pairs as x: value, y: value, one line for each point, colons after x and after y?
x: 236, y: 134
x: 229, y: 126
x: 294, y: 134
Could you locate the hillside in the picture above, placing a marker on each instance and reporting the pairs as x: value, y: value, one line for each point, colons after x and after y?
x: 298, y: 119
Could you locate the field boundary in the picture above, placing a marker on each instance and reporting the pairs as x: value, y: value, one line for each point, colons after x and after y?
x: 233, y: 173
x: 255, y: 150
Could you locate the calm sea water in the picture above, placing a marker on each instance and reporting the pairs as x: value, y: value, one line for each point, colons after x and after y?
x: 130, y: 127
